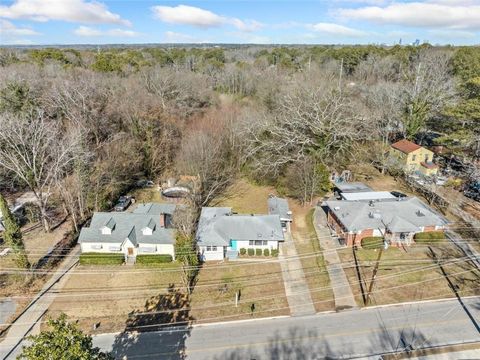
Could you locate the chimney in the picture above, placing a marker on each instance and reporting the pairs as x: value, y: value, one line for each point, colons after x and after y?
x: 162, y: 220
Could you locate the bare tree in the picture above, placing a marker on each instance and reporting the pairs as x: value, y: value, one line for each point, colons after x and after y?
x: 309, y: 121
x: 38, y: 153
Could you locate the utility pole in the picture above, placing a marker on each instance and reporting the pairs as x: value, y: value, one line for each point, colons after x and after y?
x: 340, y: 77
x: 374, y: 275
x: 375, y: 269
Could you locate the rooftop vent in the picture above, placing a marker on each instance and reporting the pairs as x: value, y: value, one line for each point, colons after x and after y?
x: 371, y: 203
x: 336, y: 208
x: 259, y: 235
x: 419, y: 213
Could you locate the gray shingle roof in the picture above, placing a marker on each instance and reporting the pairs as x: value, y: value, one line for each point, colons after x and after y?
x: 405, y: 215
x: 155, y: 209
x: 217, y: 226
x: 127, y: 225
x: 279, y: 206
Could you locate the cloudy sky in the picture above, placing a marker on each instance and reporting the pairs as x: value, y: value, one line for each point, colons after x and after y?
x: 247, y: 21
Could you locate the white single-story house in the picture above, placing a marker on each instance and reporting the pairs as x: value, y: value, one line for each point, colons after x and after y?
x: 221, y: 234
x: 145, y: 231
x: 279, y: 206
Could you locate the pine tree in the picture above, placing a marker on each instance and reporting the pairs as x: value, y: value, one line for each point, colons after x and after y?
x: 12, y: 235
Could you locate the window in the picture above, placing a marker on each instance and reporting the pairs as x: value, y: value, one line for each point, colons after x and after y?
x: 146, y: 249
x: 114, y: 248
x: 258, y: 242
x: 209, y: 248
x: 96, y: 247
x: 414, y: 157
x: 251, y: 242
x: 265, y: 242
x: 214, y: 248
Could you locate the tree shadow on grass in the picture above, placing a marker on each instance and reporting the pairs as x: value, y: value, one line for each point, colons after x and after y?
x: 159, y: 330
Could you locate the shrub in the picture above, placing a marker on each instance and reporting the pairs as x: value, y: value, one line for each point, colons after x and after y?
x: 154, y: 259
x: 429, y: 236
x: 243, y: 251
x: 372, y: 242
x: 266, y: 252
x: 101, y: 259
x: 251, y: 252
x: 274, y: 252
x: 258, y: 252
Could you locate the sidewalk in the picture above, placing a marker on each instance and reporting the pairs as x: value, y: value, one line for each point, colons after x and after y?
x: 296, y: 288
x: 341, y: 288
x: 22, y: 327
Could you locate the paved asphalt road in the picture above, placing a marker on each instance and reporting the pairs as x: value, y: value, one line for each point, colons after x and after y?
x: 347, y: 334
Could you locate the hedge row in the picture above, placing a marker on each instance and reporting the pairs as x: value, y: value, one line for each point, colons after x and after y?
x: 154, y: 259
x: 259, y: 252
x: 429, y: 236
x: 372, y: 242
x: 101, y: 259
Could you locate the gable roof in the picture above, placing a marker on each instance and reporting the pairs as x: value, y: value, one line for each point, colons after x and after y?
x: 217, y: 226
x: 279, y: 206
x: 405, y: 215
x: 127, y: 226
x: 406, y: 146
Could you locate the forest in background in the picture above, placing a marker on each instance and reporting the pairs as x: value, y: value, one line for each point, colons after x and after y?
x: 78, y: 128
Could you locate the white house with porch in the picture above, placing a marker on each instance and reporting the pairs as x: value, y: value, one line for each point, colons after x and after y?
x: 145, y: 231
x: 221, y: 234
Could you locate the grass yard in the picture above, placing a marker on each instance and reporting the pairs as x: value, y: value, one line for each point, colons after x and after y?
x: 306, y: 242
x: 22, y: 288
x: 260, y: 283
x: 245, y: 197
x: 145, y: 195
x: 107, y: 294
x: 412, y: 275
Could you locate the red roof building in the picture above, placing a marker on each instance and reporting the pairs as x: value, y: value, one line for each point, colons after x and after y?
x: 405, y: 146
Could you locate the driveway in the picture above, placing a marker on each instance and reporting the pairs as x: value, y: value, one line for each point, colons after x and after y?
x: 296, y: 287
x: 342, y: 291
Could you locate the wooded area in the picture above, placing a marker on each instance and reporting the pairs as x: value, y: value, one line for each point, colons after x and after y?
x: 80, y: 127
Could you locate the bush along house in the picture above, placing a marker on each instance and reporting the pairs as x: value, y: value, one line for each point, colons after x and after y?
x: 396, y: 220
x: 146, y: 231
x: 221, y: 234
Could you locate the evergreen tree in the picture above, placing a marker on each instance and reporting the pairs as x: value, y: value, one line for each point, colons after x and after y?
x: 13, y: 235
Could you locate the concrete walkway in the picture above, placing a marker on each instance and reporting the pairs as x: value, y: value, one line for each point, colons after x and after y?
x: 296, y: 288
x: 341, y: 288
x: 10, y: 347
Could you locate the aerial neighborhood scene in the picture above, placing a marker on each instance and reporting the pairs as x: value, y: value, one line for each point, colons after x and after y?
x: 239, y: 180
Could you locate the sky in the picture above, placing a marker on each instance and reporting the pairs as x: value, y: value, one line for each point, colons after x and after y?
x: 48, y: 22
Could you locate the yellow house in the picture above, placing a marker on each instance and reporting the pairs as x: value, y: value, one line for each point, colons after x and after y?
x: 414, y: 157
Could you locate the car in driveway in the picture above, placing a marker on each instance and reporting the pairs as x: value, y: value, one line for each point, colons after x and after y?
x: 398, y: 194
x: 123, y: 203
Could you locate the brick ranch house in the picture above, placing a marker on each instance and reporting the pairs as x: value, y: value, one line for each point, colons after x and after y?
x: 397, y: 220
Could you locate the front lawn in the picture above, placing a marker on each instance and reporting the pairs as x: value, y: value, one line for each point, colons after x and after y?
x: 259, y: 283
x: 410, y: 275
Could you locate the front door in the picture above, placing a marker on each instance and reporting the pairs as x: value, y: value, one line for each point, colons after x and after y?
x: 233, y: 244
x: 130, y: 251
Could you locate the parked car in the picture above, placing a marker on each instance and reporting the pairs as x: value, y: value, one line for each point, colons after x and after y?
x: 398, y: 194
x: 123, y: 203
x: 145, y: 183
x: 472, y: 191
